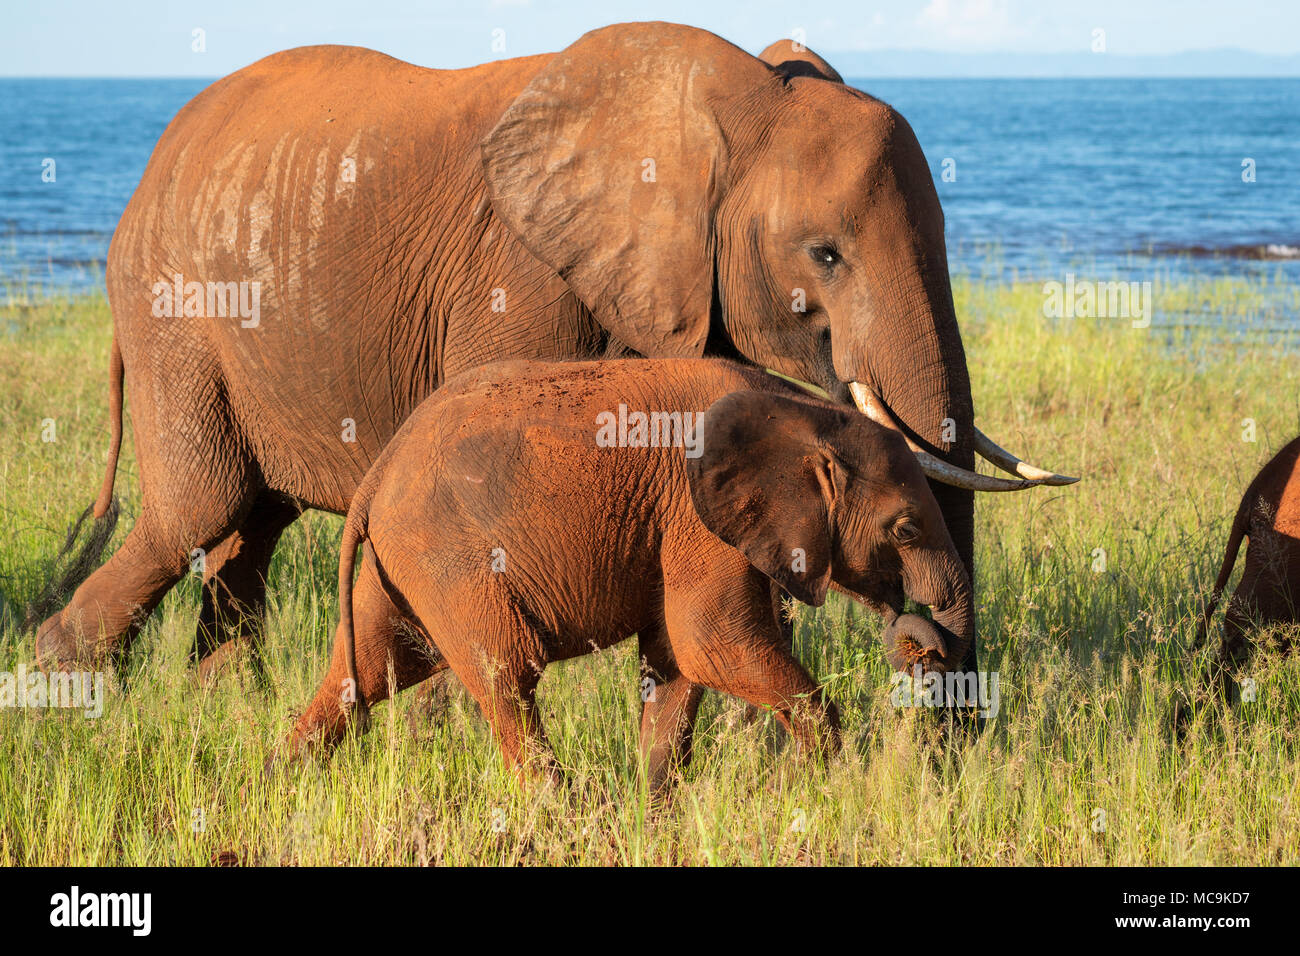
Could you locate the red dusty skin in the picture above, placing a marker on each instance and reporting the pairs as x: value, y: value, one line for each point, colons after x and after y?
x: 651, y: 189
x: 1269, y: 590
x: 600, y: 540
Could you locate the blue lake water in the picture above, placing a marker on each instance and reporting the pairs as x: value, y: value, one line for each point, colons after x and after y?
x: 1138, y: 179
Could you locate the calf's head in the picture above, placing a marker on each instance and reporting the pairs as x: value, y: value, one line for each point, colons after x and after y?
x: 816, y: 496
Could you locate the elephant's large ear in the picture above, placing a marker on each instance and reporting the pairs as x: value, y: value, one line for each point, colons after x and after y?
x: 767, y: 484
x: 609, y: 167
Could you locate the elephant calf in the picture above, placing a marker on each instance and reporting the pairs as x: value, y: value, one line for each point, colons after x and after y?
x: 531, y: 512
x: 1269, y: 592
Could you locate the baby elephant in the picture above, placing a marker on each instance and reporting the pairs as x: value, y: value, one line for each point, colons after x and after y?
x: 1269, y: 592
x: 529, y: 512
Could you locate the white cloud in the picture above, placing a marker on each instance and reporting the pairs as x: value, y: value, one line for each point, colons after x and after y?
x: 971, y: 22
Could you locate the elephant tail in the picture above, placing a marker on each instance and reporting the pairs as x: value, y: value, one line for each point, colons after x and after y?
x: 1240, y: 529
x: 105, y: 499
x: 356, y: 529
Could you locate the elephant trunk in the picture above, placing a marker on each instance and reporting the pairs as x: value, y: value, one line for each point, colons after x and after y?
x: 916, y: 371
x: 938, y: 644
x: 944, y: 641
x: 910, y: 639
x: 955, y: 621
x: 937, y: 578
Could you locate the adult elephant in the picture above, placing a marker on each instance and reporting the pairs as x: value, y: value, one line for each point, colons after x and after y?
x: 651, y: 190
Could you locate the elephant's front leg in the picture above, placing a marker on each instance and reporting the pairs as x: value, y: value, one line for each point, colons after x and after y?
x: 669, y: 703
x: 725, y: 637
x: 783, y: 614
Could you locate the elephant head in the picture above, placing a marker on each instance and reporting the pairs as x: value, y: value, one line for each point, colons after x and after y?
x: 699, y: 200
x: 817, y: 497
x: 795, y: 59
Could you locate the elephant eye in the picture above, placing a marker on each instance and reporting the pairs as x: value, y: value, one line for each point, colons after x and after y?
x: 905, y: 531
x: 824, y: 255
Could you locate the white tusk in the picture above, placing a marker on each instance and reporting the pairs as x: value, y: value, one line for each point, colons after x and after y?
x: 872, y: 407
x: 938, y: 469
x: 959, y: 477
x: 989, y: 449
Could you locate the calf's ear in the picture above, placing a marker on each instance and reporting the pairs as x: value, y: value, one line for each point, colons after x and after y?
x: 767, y: 484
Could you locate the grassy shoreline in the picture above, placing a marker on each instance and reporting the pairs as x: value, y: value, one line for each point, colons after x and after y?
x: 1078, y: 767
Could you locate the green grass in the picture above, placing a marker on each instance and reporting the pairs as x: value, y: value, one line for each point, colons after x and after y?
x: 1090, y: 658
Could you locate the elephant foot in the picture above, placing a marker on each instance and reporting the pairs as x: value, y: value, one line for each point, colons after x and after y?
x: 433, y: 700
x: 661, y: 798
x: 275, y: 760
x: 968, y: 722
x: 1182, y: 715
x: 289, y: 753
x: 540, y: 772
x: 319, y: 731
x: 61, y: 648
x: 233, y: 655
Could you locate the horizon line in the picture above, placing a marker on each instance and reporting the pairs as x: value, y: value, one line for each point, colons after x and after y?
x: 853, y: 76
x: 1076, y: 58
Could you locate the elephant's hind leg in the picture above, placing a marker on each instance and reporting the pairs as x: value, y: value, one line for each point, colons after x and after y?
x: 669, y: 705
x: 497, y: 653
x: 393, y: 653
x: 1239, y: 619
x: 111, y: 606
x: 234, y: 584
x: 197, y: 476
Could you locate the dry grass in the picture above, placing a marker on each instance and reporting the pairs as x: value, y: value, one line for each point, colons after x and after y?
x: 1080, y: 765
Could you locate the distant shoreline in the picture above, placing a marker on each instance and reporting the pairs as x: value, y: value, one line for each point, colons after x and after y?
x: 1230, y: 308
x: 853, y: 79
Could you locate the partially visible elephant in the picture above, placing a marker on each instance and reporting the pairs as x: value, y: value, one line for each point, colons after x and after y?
x: 795, y: 59
x: 1269, y: 590
x: 524, y: 514
x: 323, y: 238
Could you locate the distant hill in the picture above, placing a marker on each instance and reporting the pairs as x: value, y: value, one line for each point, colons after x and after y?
x: 934, y: 63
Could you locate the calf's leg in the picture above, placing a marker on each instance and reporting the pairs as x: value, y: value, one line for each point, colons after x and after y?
x: 385, y: 637
x: 668, y: 709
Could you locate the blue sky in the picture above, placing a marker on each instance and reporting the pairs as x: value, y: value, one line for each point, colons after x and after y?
x: 154, y: 37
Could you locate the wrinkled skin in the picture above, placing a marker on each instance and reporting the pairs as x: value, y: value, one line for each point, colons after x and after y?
x: 506, y: 538
x: 407, y: 224
x: 1269, y: 590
